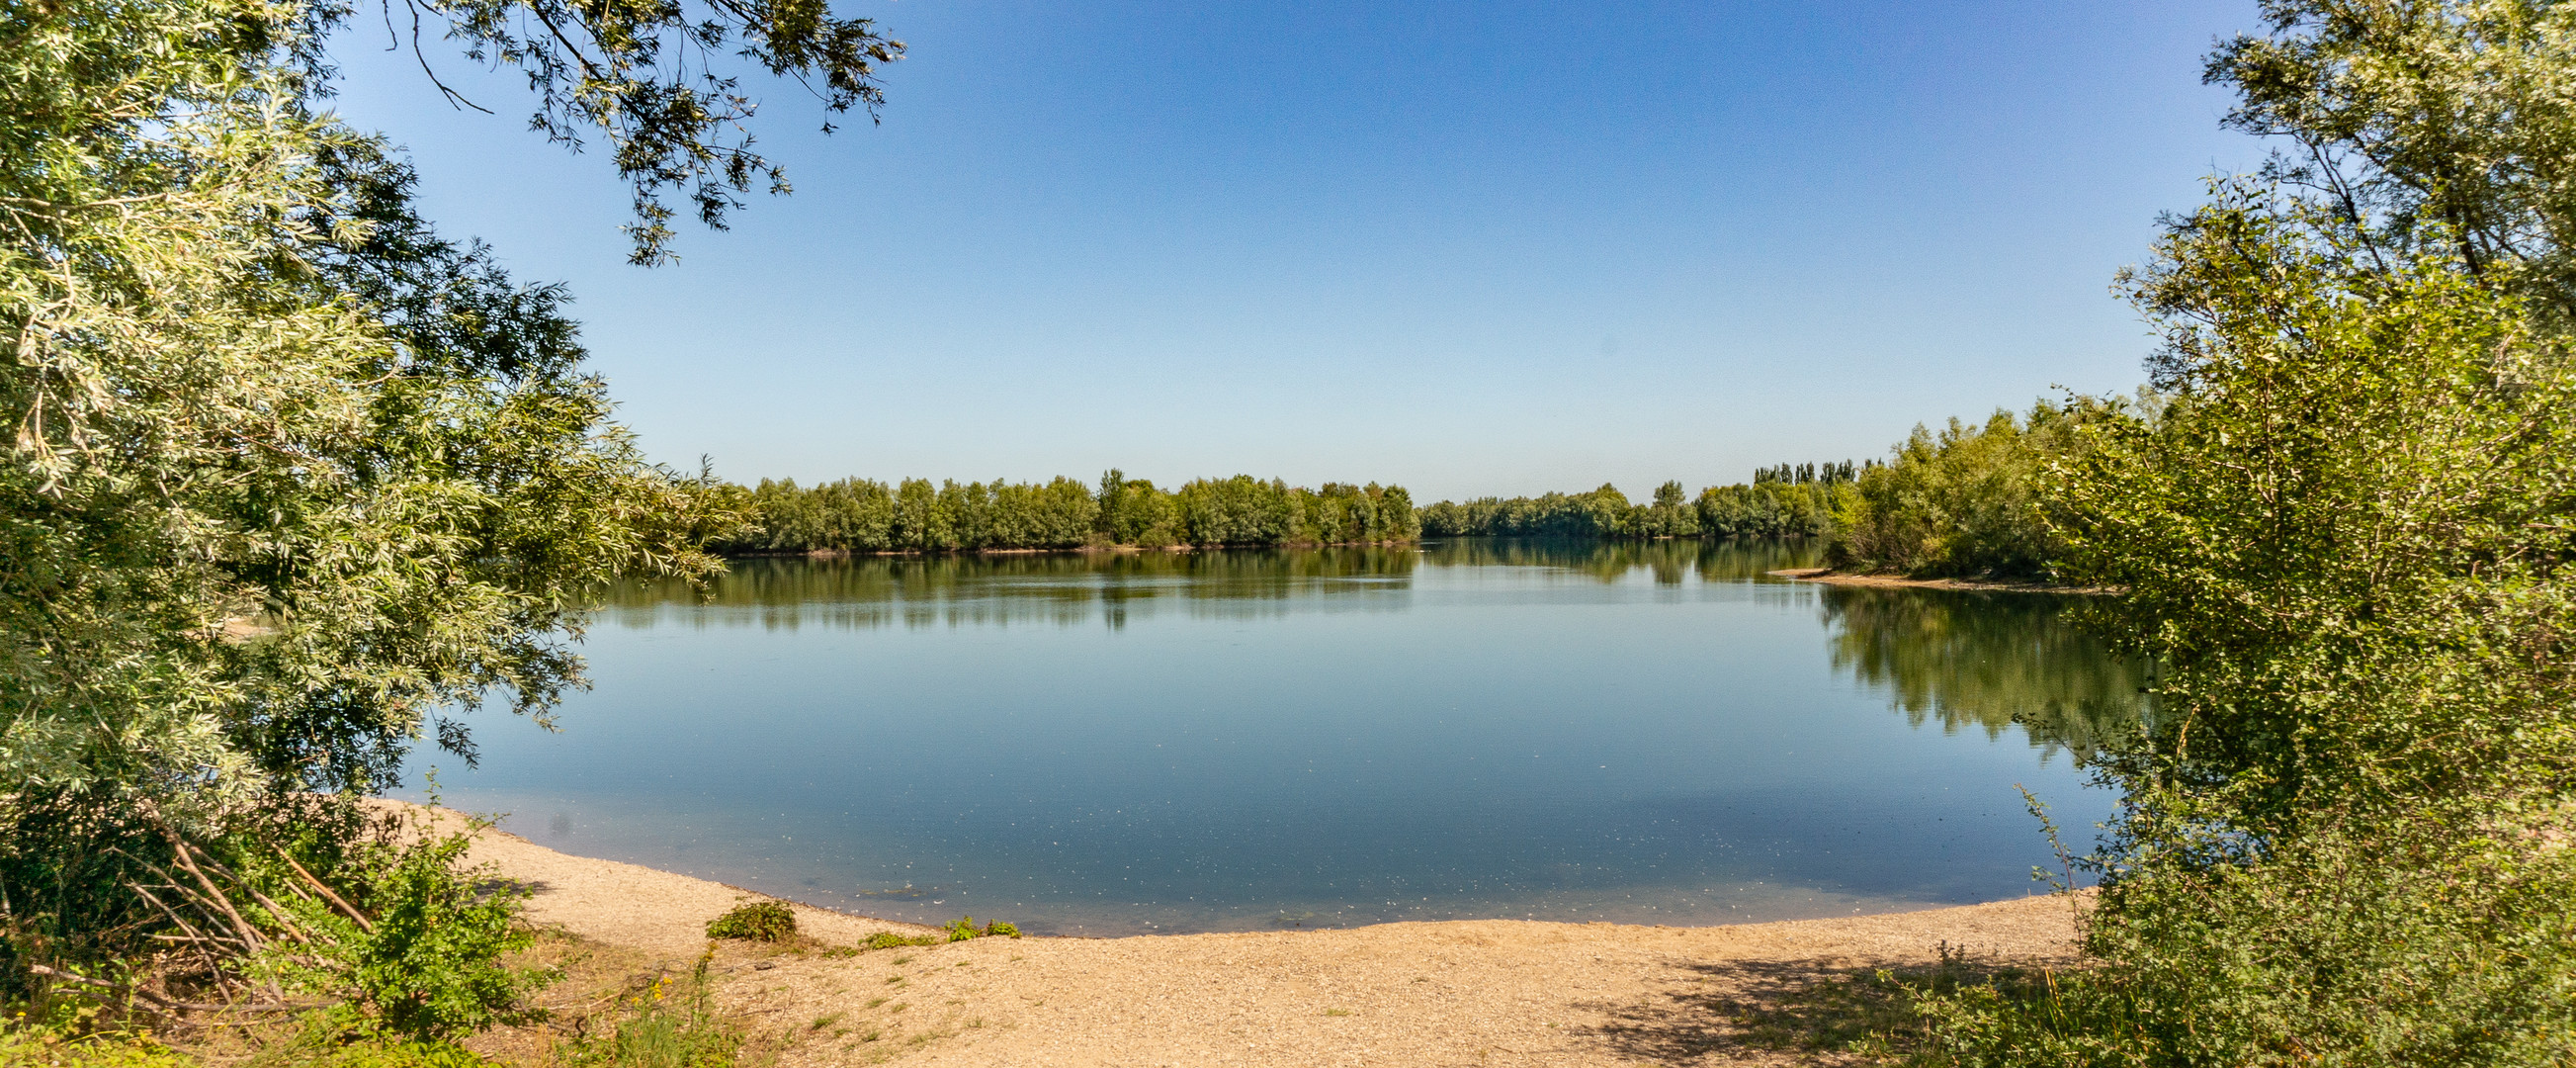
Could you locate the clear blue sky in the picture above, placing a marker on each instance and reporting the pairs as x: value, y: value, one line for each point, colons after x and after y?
x: 1473, y: 248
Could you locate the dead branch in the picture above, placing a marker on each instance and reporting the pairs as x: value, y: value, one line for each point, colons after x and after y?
x: 250, y: 935
x: 136, y: 991
x: 350, y: 910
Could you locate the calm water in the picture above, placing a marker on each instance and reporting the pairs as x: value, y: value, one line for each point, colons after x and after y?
x: 1225, y: 741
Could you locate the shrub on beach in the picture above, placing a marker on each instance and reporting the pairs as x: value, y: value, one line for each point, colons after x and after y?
x: 963, y: 929
x: 759, y: 921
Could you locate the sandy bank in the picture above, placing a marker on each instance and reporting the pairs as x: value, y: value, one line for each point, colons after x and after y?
x: 1832, y: 578
x: 1489, y: 992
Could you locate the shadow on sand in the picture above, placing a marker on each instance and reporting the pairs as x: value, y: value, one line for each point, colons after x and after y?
x: 1790, y: 1012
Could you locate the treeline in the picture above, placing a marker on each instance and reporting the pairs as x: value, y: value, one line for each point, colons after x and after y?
x: 865, y: 516
x: 1963, y: 501
x: 1966, y: 501
x: 1797, y: 503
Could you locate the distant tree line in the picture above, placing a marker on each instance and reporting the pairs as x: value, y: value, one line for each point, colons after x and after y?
x: 1787, y: 501
x: 1829, y: 474
x: 914, y: 515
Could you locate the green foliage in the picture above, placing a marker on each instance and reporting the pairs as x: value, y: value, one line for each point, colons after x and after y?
x: 22, y: 1047
x: 861, y: 515
x: 2423, y: 128
x: 2433, y: 938
x: 287, y: 471
x: 1963, y: 502
x: 2345, y: 544
x: 668, y: 1025
x: 334, y: 1052
x: 891, y: 940
x: 759, y: 921
x: 68, y: 863
x: 26, y: 1047
x: 1830, y: 474
x: 1769, y: 509
x: 963, y: 929
x: 1602, y: 513
x: 405, y: 942
x: 653, y: 78
x: 427, y: 966
x: 1784, y: 502
x: 2344, y: 538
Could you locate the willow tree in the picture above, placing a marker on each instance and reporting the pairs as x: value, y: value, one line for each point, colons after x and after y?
x: 288, y: 473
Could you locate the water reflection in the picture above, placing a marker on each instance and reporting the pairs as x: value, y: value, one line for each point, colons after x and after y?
x: 1101, y: 743
x: 1715, y: 560
x: 1959, y: 659
x: 1083, y: 588
x: 1064, y: 589
x: 1988, y: 660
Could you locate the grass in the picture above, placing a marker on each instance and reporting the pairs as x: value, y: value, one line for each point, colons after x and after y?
x: 660, y: 1030
x: 612, y: 1008
x: 959, y: 931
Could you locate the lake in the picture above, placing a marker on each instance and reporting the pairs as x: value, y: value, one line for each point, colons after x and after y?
x: 1119, y: 743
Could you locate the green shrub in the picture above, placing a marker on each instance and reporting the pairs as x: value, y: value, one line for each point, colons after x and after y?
x: 2413, y: 940
x: 759, y: 921
x: 963, y: 929
x: 428, y: 967
x: 891, y: 940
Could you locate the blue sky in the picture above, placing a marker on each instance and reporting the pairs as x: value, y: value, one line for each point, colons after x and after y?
x: 1472, y: 248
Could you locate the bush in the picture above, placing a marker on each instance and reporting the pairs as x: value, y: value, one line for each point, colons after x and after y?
x: 2442, y: 938
x: 759, y: 921
x: 963, y: 929
x: 428, y: 966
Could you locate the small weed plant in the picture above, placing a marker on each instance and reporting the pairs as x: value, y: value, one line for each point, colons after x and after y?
x: 960, y: 930
x: 668, y: 1025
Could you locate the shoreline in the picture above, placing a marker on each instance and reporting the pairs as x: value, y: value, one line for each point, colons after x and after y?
x: 1830, y: 577
x: 1506, y: 992
x: 1085, y: 550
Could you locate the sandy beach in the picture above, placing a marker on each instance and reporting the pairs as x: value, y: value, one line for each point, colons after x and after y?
x: 1490, y: 992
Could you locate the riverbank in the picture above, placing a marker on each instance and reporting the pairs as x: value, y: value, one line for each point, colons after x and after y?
x: 1069, y: 550
x: 1831, y: 577
x: 1495, y: 992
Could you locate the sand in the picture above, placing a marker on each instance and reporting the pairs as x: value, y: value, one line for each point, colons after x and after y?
x: 1487, y: 992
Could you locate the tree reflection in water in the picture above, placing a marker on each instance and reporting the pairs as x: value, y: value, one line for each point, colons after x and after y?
x: 1987, y: 660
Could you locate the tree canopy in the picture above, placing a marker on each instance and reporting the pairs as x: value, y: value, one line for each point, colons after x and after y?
x: 2343, y: 542
x: 288, y: 472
